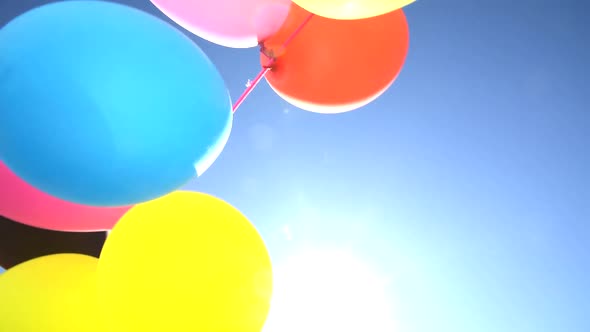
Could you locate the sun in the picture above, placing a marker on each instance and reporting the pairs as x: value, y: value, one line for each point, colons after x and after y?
x: 321, y: 291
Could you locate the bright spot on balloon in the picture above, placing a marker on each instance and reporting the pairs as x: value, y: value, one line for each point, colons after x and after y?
x: 214, y: 151
x: 330, y: 109
x: 328, y: 291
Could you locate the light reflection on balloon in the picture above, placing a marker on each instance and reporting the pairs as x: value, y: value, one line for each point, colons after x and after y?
x: 108, y: 114
x: 214, y: 265
x: 230, y: 23
x: 335, y: 66
x: 351, y: 9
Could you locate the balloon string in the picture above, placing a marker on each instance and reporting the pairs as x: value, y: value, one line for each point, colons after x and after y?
x: 252, y: 84
x: 299, y: 28
x: 250, y: 88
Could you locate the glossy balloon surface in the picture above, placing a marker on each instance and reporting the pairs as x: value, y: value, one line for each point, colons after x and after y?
x: 230, y: 23
x: 120, y: 109
x: 334, y: 66
x: 55, y: 293
x: 351, y: 9
x: 185, y: 262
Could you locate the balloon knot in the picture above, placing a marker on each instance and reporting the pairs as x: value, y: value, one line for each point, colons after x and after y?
x: 269, y: 53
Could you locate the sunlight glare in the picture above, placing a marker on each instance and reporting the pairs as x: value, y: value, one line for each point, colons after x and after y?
x: 321, y: 291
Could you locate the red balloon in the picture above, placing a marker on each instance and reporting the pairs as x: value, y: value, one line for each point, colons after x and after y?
x: 334, y: 66
x: 23, y: 202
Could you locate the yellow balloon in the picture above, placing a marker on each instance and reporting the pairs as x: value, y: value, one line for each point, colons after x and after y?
x: 185, y: 262
x: 351, y: 9
x: 55, y: 293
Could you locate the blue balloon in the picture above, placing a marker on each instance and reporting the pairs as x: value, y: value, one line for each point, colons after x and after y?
x: 105, y: 105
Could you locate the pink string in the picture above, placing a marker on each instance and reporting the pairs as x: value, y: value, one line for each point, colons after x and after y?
x: 250, y: 88
x: 267, y: 68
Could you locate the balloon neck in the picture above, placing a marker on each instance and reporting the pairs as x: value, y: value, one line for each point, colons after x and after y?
x: 268, y: 53
x: 271, y: 53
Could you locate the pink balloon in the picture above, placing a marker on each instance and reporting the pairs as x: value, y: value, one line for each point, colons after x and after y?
x: 230, y: 23
x: 23, y: 203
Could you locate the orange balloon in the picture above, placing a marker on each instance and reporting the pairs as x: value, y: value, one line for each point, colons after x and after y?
x: 334, y: 66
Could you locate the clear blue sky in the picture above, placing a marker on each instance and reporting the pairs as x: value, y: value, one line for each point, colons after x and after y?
x: 466, y: 184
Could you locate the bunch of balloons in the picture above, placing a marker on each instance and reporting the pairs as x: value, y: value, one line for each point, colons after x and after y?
x: 107, y: 111
x: 183, y: 262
